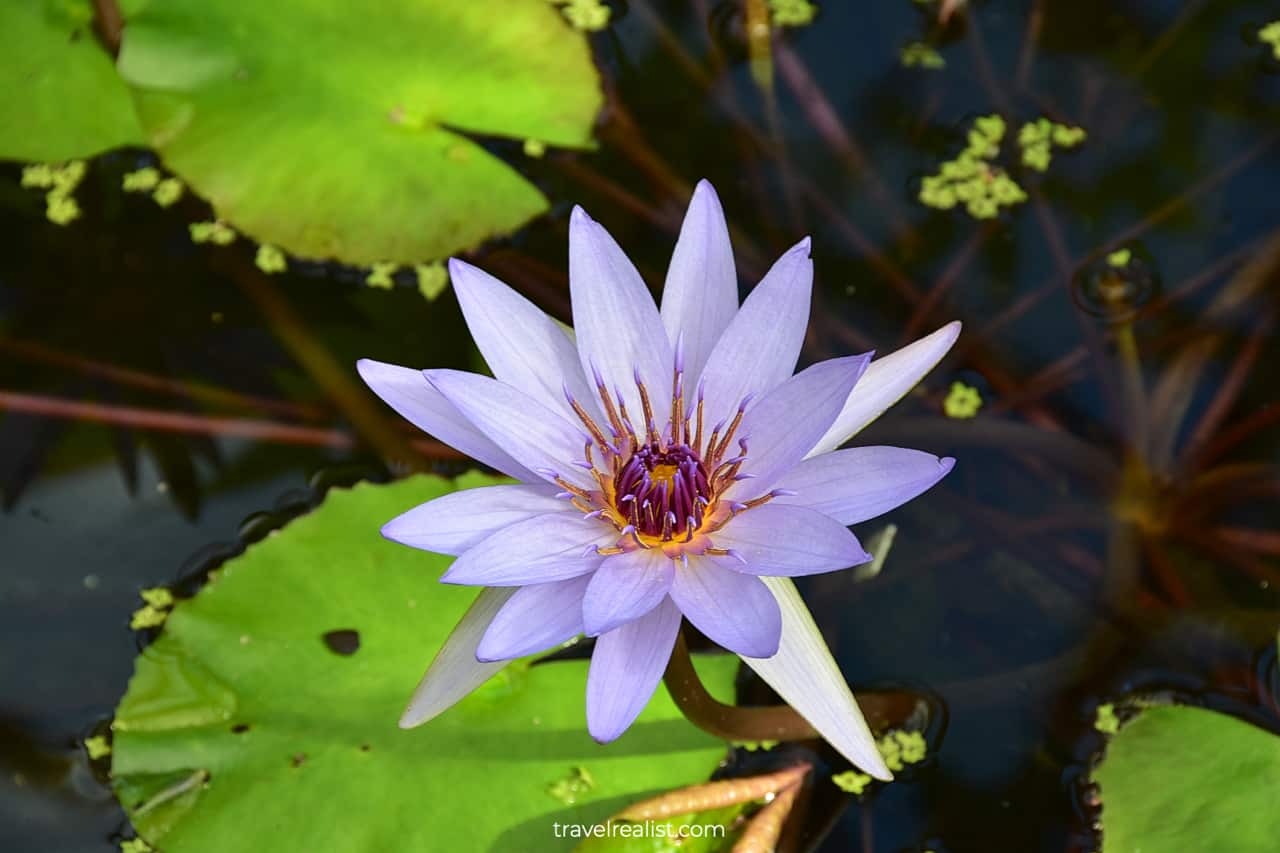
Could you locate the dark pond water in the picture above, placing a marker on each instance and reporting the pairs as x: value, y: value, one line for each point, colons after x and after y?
x: 1110, y: 526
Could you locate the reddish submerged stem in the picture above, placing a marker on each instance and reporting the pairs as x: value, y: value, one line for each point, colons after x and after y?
x: 198, y: 391
x: 109, y: 24
x: 184, y: 422
x: 883, y: 710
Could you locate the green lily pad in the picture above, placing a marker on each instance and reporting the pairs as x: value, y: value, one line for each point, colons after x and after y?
x: 330, y: 131
x: 62, y: 97
x: 265, y: 713
x: 1178, y: 778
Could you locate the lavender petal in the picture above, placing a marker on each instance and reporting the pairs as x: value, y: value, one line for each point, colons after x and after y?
x: 619, y: 331
x: 760, y: 347
x: 522, y: 345
x: 539, y: 438
x: 790, y: 418
x: 539, y: 550
x: 456, y: 522
x: 735, y: 610
x: 625, y: 668
x: 779, y: 540
x: 626, y: 587
x: 536, y: 618
x: 700, y: 296
x: 860, y: 483
x: 408, y: 392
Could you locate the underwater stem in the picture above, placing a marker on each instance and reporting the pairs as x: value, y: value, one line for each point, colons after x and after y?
x: 196, y: 424
x: 197, y: 391
x: 883, y: 709
x: 336, y: 379
x: 774, y: 722
x: 109, y: 23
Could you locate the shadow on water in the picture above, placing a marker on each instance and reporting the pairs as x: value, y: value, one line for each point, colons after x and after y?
x: 1110, y: 525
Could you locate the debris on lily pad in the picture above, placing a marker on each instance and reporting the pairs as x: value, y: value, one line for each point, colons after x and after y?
x: 218, y: 739
x: 534, y: 148
x: 963, y: 401
x: 972, y: 178
x: 572, y: 787
x: 1176, y: 778
x: 168, y: 192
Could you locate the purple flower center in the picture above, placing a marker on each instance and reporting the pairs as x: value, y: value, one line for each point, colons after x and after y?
x: 662, y: 491
x: 660, y: 487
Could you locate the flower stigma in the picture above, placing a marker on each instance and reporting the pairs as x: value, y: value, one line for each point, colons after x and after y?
x: 661, y: 488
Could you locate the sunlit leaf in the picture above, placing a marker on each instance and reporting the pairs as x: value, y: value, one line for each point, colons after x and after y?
x: 331, y: 131
x: 1179, y: 778
x: 267, y: 710
x: 62, y: 97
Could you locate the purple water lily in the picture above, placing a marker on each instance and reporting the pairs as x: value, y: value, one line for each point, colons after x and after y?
x: 670, y: 466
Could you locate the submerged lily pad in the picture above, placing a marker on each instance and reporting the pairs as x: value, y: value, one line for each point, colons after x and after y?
x: 1178, y: 778
x: 332, y: 131
x: 243, y: 725
x: 62, y: 97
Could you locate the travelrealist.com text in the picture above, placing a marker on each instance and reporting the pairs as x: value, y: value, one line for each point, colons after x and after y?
x: 645, y: 829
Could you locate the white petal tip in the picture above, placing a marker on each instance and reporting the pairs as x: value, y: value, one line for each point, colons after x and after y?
x: 414, y: 716
x: 881, y: 772
x: 580, y: 217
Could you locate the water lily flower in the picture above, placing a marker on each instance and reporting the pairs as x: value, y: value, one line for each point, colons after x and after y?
x: 670, y: 466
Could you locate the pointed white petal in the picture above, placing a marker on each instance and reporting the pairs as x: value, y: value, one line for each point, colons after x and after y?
x: 886, y: 381
x: 455, y: 672
x: 806, y: 676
